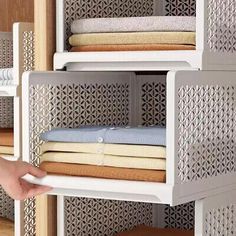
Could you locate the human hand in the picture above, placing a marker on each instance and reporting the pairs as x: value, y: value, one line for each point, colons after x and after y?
x: 11, y: 174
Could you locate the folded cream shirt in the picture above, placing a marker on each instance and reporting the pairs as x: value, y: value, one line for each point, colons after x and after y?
x: 109, y: 149
x: 104, y: 160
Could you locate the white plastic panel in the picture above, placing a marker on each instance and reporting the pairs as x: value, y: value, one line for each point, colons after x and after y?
x: 216, y: 216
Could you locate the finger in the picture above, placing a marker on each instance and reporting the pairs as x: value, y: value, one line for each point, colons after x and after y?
x: 26, y: 185
x: 38, y: 190
x: 36, y: 172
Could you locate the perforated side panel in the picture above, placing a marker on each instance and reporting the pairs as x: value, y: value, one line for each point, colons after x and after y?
x: 207, y: 137
x: 221, y: 221
x: 179, y: 217
x: 6, y: 112
x: 6, y: 53
x: 103, y: 217
x: 152, y: 100
x: 28, y: 45
x: 180, y: 7
x: 6, y: 205
x: 222, y: 26
x: 76, y: 9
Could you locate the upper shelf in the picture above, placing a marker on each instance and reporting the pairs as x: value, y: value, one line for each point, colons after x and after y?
x: 128, y: 61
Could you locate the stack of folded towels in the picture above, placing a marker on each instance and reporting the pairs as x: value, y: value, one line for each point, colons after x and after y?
x: 134, y: 34
x: 149, y: 231
x: 6, y: 142
x: 123, y: 153
x: 6, y: 76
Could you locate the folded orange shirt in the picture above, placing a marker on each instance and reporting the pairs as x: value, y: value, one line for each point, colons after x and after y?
x: 134, y: 47
x: 149, y: 231
x: 6, y: 137
x: 103, y: 172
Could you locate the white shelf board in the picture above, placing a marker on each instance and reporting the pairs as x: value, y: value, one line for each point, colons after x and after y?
x: 128, y: 61
x: 9, y: 90
x: 137, y: 191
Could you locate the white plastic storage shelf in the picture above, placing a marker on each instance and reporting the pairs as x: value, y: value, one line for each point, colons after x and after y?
x: 211, y: 216
x: 215, y: 36
x: 197, y: 108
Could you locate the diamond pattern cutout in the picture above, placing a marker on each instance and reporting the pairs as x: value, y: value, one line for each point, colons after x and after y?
x: 103, y: 217
x: 221, y: 221
x: 180, y: 7
x: 180, y: 217
x: 6, y: 112
x: 28, y: 45
x: 207, y: 137
x: 222, y: 26
x: 6, y: 205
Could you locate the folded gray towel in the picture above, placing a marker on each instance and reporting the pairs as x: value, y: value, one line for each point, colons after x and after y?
x: 135, y: 24
x: 116, y: 135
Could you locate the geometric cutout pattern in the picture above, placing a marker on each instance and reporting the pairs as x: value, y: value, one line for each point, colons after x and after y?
x: 6, y: 112
x: 98, y: 217
x: 153, y: 103
x: 222, y: 26
x: 28, y: 45
x: 180, y: 217
x: 6, y: 205
x: 206, y: 132
x: 77, y: 9
x: 29, y: 217
x: 6, y: 53
x: 221, y: 221
x: 180, y: 7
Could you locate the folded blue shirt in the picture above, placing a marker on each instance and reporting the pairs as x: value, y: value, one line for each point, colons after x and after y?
x: 154, y: 135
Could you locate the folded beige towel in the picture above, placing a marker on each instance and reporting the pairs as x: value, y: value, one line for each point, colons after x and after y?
x: 105, y: 160
x: 109, y: 149
x: 103, y: 172
x: 133, y: 38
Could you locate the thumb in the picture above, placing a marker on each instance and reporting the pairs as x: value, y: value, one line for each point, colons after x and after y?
x: 36, y: 171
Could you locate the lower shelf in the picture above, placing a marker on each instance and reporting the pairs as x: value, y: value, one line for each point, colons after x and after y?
x: 107, y: 189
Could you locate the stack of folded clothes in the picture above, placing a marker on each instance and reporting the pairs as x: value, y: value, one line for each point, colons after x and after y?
x: 149, y: 231
x: 123, y: 153
x: 134, y: 34
x: 6, y: 142
x: 6, y: 76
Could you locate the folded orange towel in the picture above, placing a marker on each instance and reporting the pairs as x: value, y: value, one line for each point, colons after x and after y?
x: 6, y: 137
x: 134, y: 47
x: 6, y: 227
x: 103, y: 172
x: 149, y: 231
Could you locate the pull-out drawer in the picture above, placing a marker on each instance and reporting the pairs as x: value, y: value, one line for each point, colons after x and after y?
x: 197, y: 108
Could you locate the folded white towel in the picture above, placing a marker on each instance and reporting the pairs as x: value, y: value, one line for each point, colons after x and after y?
x: 135, y: 24
x: 6, y: 76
